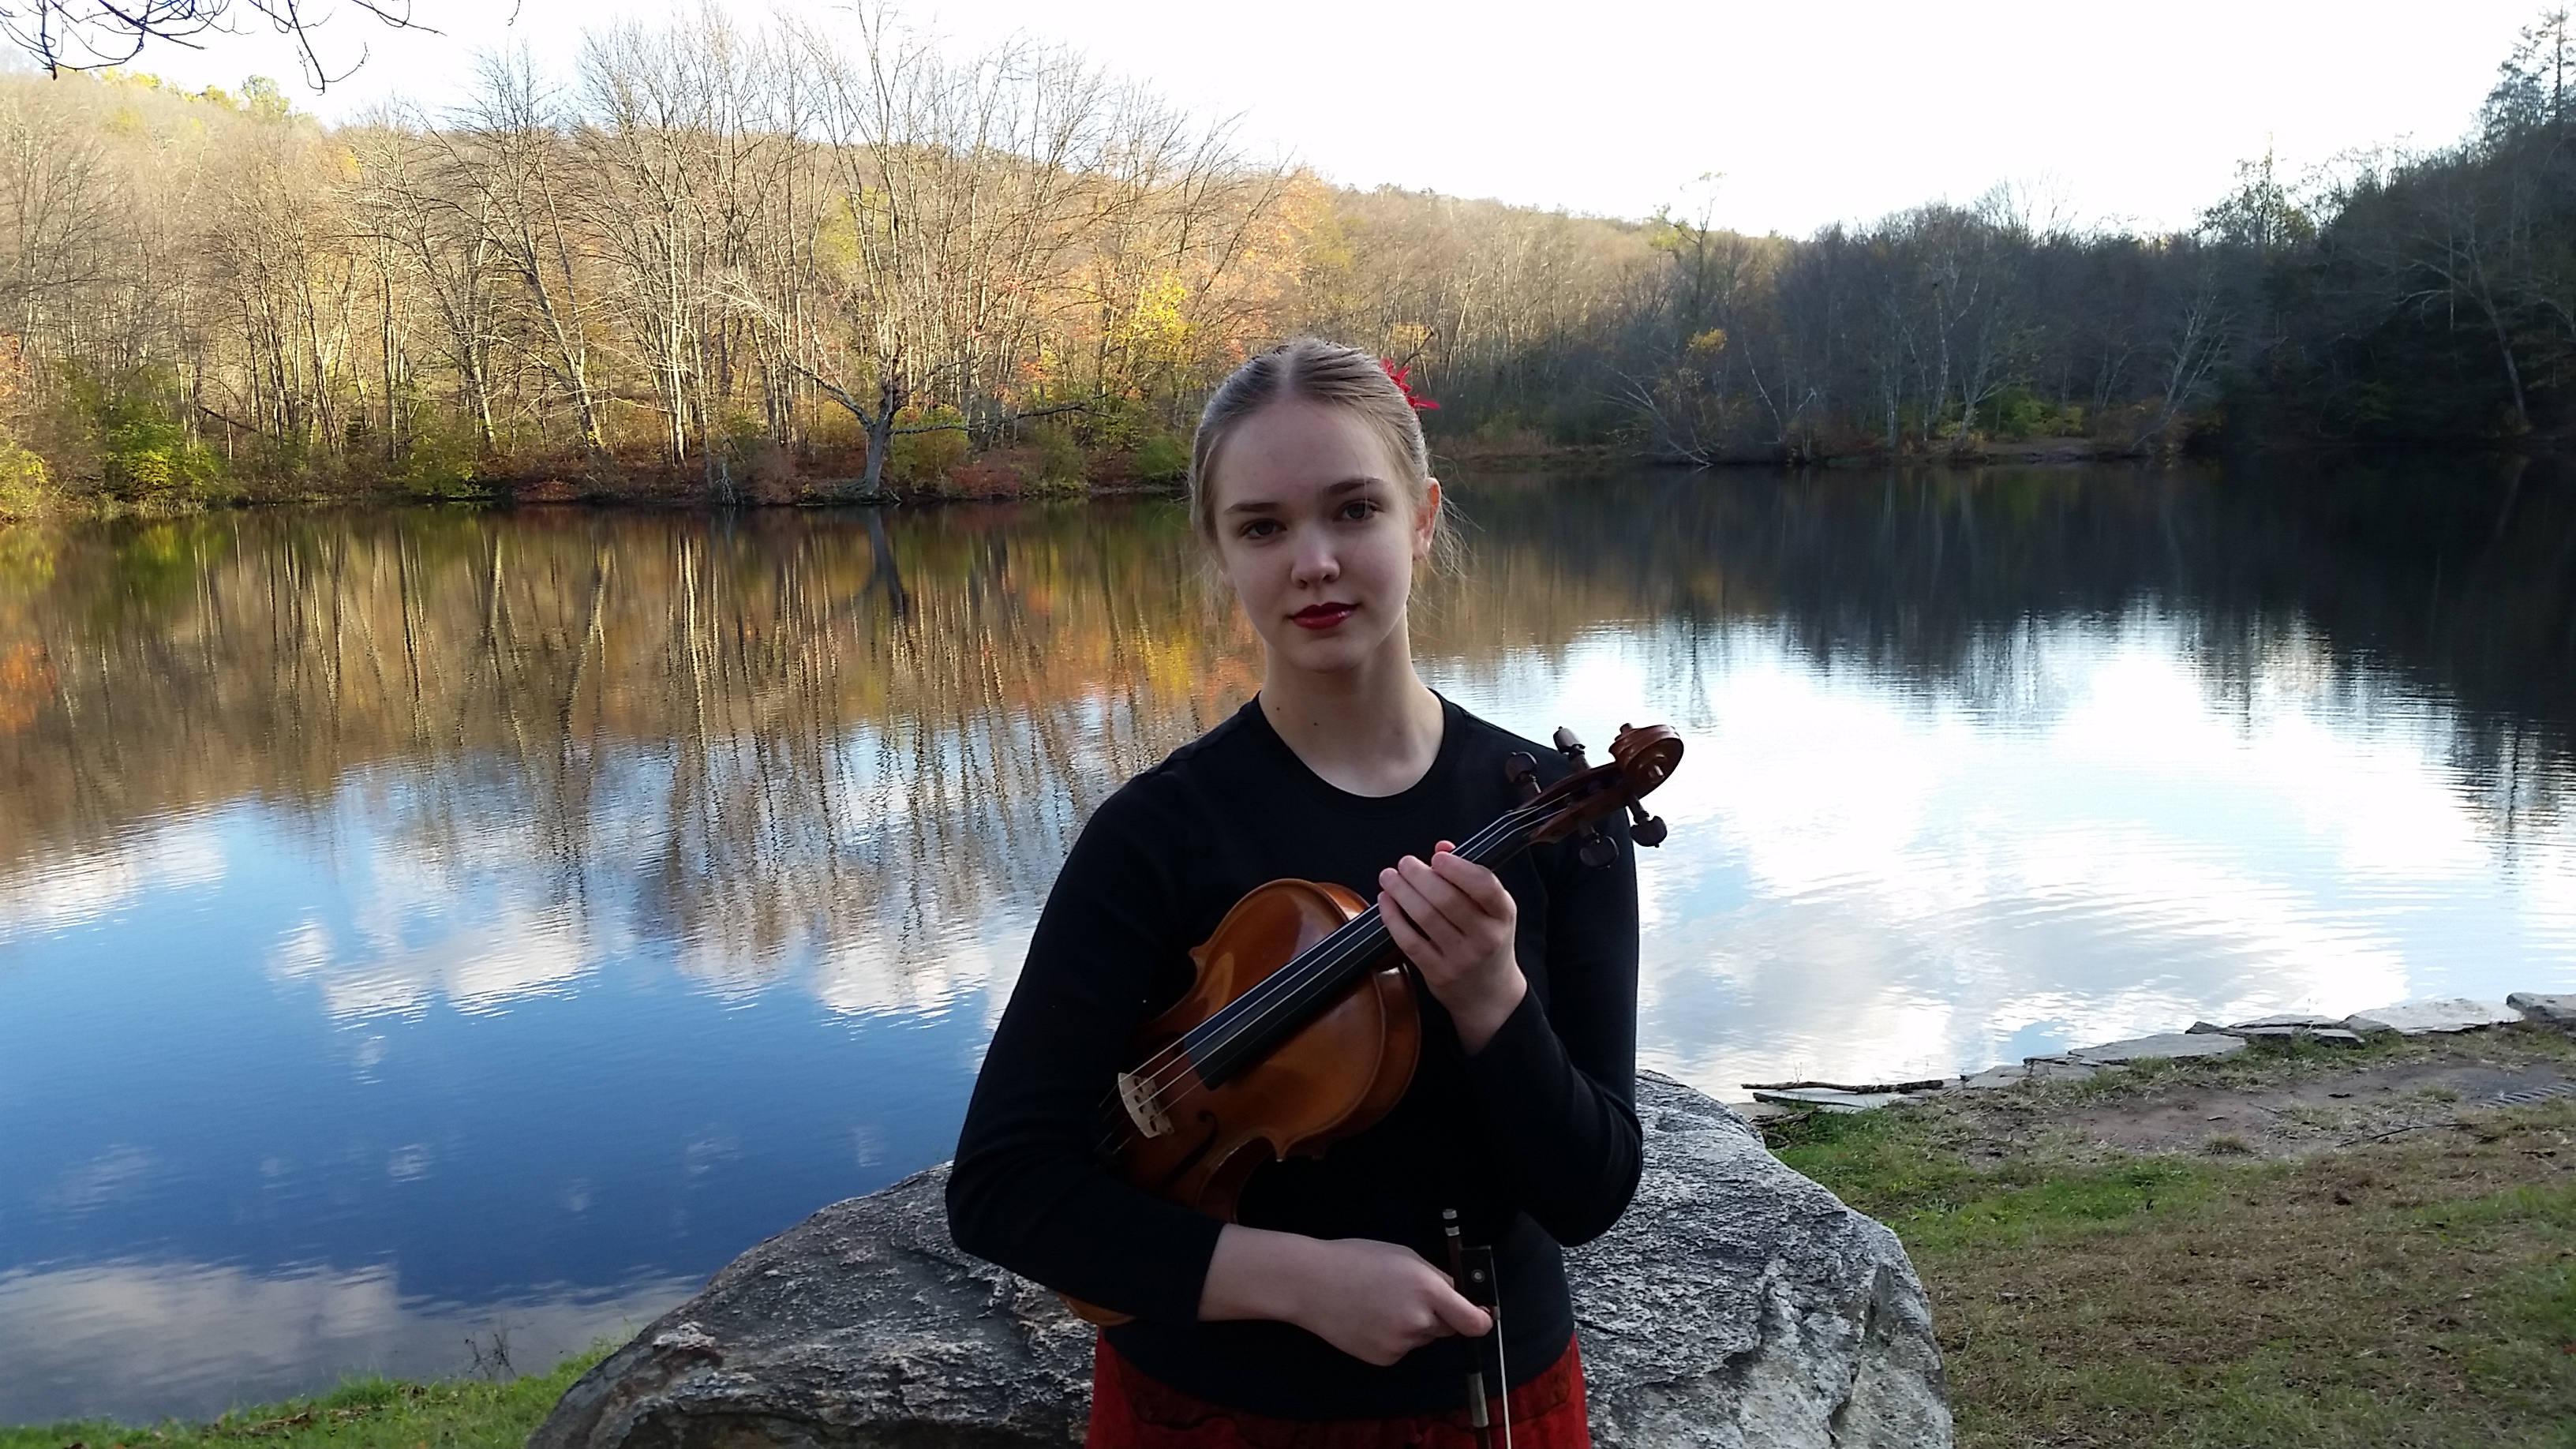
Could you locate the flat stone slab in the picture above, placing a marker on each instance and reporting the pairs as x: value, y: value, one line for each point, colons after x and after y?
x: 2546, y: 1008
x: 1828, y: 1099
x: 1737, y: 1305
x: 1997, y: 1078
x: 2170, y: 1046
x: 2056, y: 1069
x: 2416, y: 1018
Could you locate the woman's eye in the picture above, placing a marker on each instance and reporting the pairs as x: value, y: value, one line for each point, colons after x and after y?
x: 1357, y: 509
x: 1261, y: 528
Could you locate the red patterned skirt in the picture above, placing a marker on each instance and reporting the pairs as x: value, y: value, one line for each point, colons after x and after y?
x: 1131, y: 1411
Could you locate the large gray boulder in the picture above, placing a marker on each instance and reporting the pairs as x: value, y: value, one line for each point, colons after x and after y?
x: 1737, y: 1304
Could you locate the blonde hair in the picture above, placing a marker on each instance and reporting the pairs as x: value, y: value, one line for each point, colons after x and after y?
x: 1310, y: 369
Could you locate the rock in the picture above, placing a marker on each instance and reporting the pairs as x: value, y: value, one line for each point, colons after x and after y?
x: 2056, y: 1069
x: 2171, y: 1045
x: 1828, y: 1099
x: 862, y: 1325
x: 2293, y: 1019
x: 2334, y: 1036
x: 2415, y: 1018
x: 1736, y: 1304
x: 1739, y: 1304
x: 1993, y: 1078
x: 2548, y: 1010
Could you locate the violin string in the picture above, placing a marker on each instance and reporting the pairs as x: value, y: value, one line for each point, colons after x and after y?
x: 1240, y: 1016
x: 1245, y: 1014
x: 1318, y: 960
x: 1353, y: 939
x: 1173, y: 1063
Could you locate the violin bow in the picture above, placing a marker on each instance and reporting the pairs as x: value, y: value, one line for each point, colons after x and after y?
x: 1472, y: 1269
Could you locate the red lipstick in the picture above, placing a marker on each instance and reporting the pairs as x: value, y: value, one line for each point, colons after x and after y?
x: 1322, y: 616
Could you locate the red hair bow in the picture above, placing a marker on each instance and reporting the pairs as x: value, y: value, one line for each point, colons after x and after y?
x: 1396, y: 375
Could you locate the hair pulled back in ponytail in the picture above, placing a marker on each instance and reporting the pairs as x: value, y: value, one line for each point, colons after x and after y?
x: 1311, y: 370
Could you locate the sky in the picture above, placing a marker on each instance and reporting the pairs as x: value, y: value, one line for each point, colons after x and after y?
x: 1804, y: 114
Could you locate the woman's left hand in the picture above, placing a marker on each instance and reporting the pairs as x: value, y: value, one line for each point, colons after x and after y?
x: 1454, y: 921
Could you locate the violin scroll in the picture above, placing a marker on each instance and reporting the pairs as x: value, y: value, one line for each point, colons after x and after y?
x: 1641, y: 758
x: 1655, y: 749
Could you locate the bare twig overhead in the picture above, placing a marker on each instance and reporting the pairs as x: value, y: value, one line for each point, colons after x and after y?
x: 93, y: 34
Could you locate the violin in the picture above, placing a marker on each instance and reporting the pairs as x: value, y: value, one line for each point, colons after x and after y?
x: 1301, y: 1028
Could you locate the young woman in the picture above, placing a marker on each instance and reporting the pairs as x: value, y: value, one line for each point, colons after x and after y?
x: 1318, y: 1319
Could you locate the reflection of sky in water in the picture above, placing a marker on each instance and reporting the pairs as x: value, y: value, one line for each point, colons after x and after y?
x: 282, y: 1098
x: 286, y: 1091
x: 1869, y: 883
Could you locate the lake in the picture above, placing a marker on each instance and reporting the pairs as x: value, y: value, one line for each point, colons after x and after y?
x: 433, y: 936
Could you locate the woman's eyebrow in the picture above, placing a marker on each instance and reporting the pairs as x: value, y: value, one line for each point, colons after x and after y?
x: 1264, y: 505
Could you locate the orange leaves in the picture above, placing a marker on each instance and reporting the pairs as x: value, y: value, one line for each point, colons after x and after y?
x: 26, y: 682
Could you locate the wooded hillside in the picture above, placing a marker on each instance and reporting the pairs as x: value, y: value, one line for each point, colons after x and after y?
x: 778, y: 265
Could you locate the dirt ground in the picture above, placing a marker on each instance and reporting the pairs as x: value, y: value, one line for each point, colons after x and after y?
x: 2280, y: 1105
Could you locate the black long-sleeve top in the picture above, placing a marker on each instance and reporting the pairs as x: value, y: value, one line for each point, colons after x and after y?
x: 1533, y: 1139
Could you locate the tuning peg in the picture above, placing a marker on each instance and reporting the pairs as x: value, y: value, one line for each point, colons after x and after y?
x: 1596, y: 849
x: 1648, y: 830
x: 1520, y: 772
x: 1570, y: 747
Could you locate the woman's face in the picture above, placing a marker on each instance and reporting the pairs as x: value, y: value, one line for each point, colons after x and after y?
x: 1318, y: 534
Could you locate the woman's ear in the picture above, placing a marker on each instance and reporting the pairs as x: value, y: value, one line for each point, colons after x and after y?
x: 1426, y: 519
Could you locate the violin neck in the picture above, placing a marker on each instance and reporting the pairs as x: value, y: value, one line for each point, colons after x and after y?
x: 1246, y: 1029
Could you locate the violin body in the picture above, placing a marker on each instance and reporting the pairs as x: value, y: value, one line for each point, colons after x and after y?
x: 1342, y: 1072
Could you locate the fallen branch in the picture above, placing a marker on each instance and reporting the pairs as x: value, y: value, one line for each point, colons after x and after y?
x: 2397, y: 1132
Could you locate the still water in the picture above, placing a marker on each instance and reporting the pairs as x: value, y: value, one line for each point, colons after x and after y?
x: 429, y: 934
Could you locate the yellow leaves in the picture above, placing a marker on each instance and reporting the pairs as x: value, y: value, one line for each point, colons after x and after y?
x: 1157, y: 329
x: 1709, y: 343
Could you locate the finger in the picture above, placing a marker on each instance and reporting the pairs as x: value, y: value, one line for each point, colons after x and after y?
x: 1439, y: 895
x: 1409, y: 943
x: 1480, y: 886
x: 1406, y: 887
x: 1459, y: 1316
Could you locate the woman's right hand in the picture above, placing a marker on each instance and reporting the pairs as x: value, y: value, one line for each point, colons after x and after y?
x: 1374, y: 1301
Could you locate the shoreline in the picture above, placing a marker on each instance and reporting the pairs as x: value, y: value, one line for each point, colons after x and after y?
x: 1002, y: 477
x: 2201, y: 1040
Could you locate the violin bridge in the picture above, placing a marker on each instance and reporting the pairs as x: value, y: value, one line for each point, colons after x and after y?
x: 1142, y: 1109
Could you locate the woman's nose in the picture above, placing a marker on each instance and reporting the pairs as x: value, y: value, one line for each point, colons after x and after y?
x: 1316, y: 562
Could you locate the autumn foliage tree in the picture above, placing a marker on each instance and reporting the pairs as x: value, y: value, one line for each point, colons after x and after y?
x: 766, y: 263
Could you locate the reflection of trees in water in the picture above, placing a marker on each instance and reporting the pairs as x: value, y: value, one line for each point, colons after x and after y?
x: 777, y: 738
x: 2363, y: 590
x: 775, y: 734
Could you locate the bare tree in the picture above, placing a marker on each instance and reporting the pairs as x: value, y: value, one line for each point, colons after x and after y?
x: 67, y: 35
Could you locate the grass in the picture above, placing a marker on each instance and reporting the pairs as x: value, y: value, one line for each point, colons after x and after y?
x: 2416, y: 1291
x: 368, y: 1413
